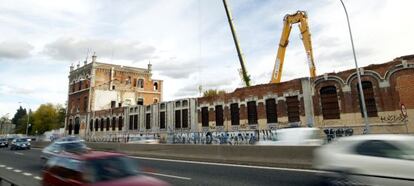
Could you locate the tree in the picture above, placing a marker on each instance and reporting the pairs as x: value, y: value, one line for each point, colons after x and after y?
x: 45, y: 118
x: 213, y: 92
x: 61, y: 115
x: 17, y: 119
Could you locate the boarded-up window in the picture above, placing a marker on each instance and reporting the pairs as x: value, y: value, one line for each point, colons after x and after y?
x: 204, y: 116
x: 148, y: 121
x: 120, y: 123
x: 369, y: 99
x: 178, y: 119
x: 131, y: 122
x: 271, y: 111
x: 252, y: 112
x: 185, y: 118
x: 292, y: 104
x: 96, y: 124
x: 219, y: 115
x: 108, y: 123
x: 135, y: 122
x: 102, y: 124
x: 329, y: 102
x: 162, y: 120
x: 235, y: 117
x: 113, y: 123
x: 91, y: 125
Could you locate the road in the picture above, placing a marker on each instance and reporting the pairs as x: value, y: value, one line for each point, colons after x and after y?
x: 24, y: 168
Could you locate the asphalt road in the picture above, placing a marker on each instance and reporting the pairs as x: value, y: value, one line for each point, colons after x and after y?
x: 24, y: 168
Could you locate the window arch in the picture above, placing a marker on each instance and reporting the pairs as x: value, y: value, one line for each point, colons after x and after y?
x: 77, y: 125
x: 155, y: 86
x: 120, y: 123
x: 329, y: 102
x: 140, y: 83
x: 113, y: 123
x: 108, y: 123
x: 369, y: 99
x: 96, y: 124
x: 102, y: 124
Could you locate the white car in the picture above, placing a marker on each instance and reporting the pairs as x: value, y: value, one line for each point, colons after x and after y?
x: 367, y: 160
x: 292, y: 136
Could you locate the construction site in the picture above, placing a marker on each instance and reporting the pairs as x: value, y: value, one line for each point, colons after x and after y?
x: 109, y: 101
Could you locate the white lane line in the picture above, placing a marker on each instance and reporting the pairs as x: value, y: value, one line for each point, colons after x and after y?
x: 17, y: 170
x: 27, y: 174
x: 37, y: 178
x: 230, y: 165
x: 9, y: 168
x: 2, y: 165
x: 167, y: 175
x: 18, y: 153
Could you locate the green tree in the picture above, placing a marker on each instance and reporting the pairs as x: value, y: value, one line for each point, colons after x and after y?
x: 45, y: 118
x: 61, y: 115
x: 17, y: 119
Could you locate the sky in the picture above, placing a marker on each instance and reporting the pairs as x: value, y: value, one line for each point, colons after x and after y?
x: 188, y: 42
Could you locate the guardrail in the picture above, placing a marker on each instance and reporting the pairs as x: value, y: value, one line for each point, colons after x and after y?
x: 7, y: 181
x: 276, y: 156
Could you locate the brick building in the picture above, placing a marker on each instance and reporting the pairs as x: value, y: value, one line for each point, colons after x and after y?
x: 97, y: 89
x: 328, y: 101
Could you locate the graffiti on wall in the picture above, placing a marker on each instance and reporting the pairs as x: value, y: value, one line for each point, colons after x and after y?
x: 338, y: 132
x: 393, y: 118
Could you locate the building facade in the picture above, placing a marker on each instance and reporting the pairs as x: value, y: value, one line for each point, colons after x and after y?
x: 328, y: 101
x: 97, y: 87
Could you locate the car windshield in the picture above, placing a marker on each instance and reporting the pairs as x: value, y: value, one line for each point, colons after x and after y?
x: 21, y: 140
x: 111, y: 168
x: 73, y: 146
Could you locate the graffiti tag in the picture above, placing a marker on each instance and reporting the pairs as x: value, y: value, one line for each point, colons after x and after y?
x: 393, y: 118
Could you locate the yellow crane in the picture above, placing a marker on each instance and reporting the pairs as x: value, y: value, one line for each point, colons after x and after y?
x: 290, y: 19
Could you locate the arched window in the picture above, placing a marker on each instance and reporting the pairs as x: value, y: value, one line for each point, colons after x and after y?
x: 329, y: 102
x: 91, y: 125
x: 70, y: 127
x: 120, y: 123
x: 369, y: 99
x: 156, y: 86
x: 77, y: 125
x: 102, y: 124
x: 113, y: 123
x: 96, y: 124
x: 140, y: 83
x: 108, y: 123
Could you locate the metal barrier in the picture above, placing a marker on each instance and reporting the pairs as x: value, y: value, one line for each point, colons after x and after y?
x: 4, y: 182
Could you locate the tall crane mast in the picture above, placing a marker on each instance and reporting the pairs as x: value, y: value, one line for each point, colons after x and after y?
x: 290, y: 19
x: 245, y: 76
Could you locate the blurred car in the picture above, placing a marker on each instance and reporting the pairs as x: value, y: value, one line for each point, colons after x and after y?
x: 20, y: 143
x: 95, y: 168
x: 3, y: 143
x: 69, y: 144
x: 143, y: 140
x: 293, y: 136
x: 367, y: 160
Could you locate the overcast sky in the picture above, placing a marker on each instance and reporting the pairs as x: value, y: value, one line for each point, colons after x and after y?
x: 188, y: 42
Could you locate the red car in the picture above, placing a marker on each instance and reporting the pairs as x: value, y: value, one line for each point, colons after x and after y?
x: 95, y: 168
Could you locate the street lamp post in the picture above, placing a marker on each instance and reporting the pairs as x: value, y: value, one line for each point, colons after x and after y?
x: 361, y: 91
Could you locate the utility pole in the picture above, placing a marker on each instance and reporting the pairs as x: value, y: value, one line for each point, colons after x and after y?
x: 361, y: 91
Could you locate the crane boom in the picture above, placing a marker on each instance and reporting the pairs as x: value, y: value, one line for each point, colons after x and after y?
x: 245, y: 76
x: 290, y: 19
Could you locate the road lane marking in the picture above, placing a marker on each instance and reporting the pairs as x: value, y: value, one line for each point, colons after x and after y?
x: 27, y: 174
x: 17, y: 170
x: 18, y: 153
x: 37, y: 178
x: 9, y: 168
x: 2, y: 165
x: 230, y: 165
x: 167, y: 175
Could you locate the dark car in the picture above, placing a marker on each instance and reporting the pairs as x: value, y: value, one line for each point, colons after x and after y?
x: 20, y: 143
x: 67, y: 144
x: 3, y: 143
x: 95, y: 168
